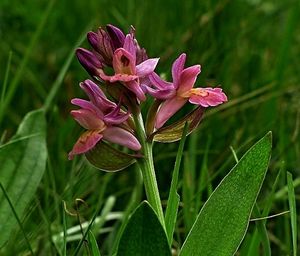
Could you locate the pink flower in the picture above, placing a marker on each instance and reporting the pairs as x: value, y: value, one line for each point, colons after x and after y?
x: 111, y: 48
x: 102, y: 119
x: 181, y: 90
x: 126, y: 69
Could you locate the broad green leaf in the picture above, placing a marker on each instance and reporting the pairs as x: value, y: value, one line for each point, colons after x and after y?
x: 23, y: 162
x: 173, y: 200
x: 173, y: 132
x: 143, y: 234
x: 106, y: 158
x: 223, y: 220
x: 293, y: 211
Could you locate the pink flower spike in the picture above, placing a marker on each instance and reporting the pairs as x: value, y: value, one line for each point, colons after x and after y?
x: 121, y: 136
x: 86, y: 141
x: 207, y: 96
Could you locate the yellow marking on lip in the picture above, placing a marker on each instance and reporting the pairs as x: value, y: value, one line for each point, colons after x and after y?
x: 195, y: 91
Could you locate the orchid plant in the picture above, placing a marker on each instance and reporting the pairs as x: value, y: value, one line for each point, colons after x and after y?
x: 117, y: 135
x: 133, y: 79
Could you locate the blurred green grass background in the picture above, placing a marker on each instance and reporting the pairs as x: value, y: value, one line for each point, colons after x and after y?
x: 250, y: 47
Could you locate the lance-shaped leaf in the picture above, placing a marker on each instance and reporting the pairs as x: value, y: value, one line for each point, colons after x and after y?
x: 143, y: 234
x: 173, y: 132
x: 223, y: 221
x: 106, y: 158
x: 23, y: 162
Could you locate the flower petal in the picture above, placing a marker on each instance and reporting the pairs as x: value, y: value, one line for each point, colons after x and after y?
x: 188, y: 78
x: 87, y: 119
x: 161, y: 94
x: 123, y: 137
x: 129, y: 45
x: 87, y: 105
x: 159, y: 83
x: 146, y: 67
x: 116, y: 116
x: 168, y: 109
x: 96, y: 95
x: 86, y: 141
x: 136, y: 88
x: 144, y: 83
x: 177, y: 68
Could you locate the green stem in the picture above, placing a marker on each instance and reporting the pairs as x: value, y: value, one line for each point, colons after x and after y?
x: 147, y: 168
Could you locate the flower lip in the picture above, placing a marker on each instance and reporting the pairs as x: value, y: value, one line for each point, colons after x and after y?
x: 123, y: 62
x: 208, y: 97
x: 194, y: 91
x: 86, y: 141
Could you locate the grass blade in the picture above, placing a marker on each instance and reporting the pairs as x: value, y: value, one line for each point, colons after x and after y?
x: 106, y: 209
x: 261, y: 228
x: 17, y: 78
x: 93, y: 244
x: 58, y: 81
x: 292, y: 205
x: 256, y: 237
x: 173, y: 200
x: 64, y: 253
x: 17, y: 218
x: 5, y: 81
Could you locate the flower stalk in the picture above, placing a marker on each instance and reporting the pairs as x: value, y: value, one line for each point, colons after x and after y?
x: 147, y: 168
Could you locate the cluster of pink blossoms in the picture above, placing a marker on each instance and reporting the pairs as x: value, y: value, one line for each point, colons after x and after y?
x: 117, y: 60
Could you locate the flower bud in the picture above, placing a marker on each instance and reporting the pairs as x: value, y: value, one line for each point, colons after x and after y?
x: 89, y: 61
